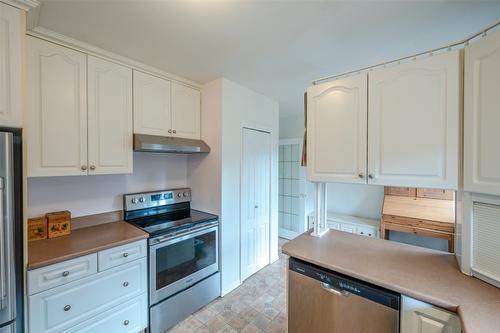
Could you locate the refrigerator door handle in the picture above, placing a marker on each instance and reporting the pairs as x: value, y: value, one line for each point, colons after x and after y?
x: 3, y: 251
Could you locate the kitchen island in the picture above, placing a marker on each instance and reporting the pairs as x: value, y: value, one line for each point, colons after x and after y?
x: 423, y: 274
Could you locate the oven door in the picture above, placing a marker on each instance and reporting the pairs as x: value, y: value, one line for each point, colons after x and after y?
x: 179, y: 262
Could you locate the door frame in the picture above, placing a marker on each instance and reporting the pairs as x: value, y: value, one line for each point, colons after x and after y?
x: 267, y: 130
x: 283, y: 233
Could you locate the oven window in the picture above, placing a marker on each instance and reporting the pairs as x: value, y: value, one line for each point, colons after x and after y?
x: 178, y: 260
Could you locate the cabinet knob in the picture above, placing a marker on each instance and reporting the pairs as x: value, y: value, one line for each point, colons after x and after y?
x: 92, y: 167
x: 126, y: 322
x: 125, y: 255
x: 65, y: 273
x: 169, y: 131
x: 256, y: 206
x: 125, y: 284
x: 84, y: 167
x: 174, y: 131
x: 67, y: 307
x: 361, y: 175
x: 371, y: 176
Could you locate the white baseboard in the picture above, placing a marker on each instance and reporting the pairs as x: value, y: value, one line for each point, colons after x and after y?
x: 226, y: 290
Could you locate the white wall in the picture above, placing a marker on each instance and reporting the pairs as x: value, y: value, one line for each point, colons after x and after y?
x: 86, y: 195
x: 292, y: 127
x: 233, y: 106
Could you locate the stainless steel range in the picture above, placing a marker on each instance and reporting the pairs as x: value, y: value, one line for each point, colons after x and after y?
x: 183, y: 254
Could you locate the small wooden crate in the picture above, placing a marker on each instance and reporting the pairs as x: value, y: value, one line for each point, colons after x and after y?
x: 59, y: 224
x: 37, y: 228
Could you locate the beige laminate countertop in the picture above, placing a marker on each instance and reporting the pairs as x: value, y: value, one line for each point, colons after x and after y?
x: 81, y: 242
x: 428, y: 275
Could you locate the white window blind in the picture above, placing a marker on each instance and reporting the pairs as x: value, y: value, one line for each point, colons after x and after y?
x: 486, y: 244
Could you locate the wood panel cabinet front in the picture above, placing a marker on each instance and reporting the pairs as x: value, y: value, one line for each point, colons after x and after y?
x: 185, y: 111
x: 336, y: 130
x: 11, y: 34
x: 420, y: 317
x: 110, y: 148
x: 482, y: 115
x: 56, y: 119
x: 414, y: 123
x: 152, y: 105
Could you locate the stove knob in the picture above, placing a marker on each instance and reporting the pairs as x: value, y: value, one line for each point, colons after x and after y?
x: 185, y: 194
x: 134, y: 200
x: 142, y: 199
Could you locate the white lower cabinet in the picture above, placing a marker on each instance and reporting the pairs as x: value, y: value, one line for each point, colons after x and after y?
x: 352, y: 224
x: 421, y: 317
x: 129, y: 318
x: 112, y: 300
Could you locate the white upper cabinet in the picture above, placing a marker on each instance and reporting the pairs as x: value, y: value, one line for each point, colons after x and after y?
x: 152, y: 105
x: 56, y: 119
x: 414, y: 123
x: 185, y: 111
x: 109, y: 117
x: 336, y: 130
x: 10, y: 66
x: 165, y: 108
x: 482, y: 115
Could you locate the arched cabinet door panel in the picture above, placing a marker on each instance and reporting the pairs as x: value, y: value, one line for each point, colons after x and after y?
x: 482, y: 115
x: 109, y: 117
x: 336, y: 130
x: 414, y: 123
x: 56, y: 122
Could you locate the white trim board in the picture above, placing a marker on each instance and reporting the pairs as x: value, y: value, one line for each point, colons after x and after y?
x: 63, y: 40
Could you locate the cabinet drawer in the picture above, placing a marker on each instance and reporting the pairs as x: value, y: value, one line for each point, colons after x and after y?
x: 334, y: 225
x: 365, y: 231
x: 61, y: 273
x: 121, y: 255
x: 129, y: 317
x: 348, y: 228
x: 66, y: 306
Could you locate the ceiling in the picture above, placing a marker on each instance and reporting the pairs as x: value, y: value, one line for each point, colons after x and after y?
x: 273, y: 47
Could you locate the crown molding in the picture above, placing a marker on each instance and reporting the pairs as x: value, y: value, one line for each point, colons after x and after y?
x: 63, y: 40
x: 23, y: 4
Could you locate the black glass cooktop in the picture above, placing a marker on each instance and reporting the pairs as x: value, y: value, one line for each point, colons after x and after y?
x: 155, y: 222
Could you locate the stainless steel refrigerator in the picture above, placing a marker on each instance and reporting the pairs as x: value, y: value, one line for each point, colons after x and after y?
x: 10, y: 231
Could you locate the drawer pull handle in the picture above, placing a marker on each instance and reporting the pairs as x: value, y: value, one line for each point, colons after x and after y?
x: 65, y: 273
x: 126, y: 322
x: 125, y: 255
x: 67, y: 307
x: 125, y: 284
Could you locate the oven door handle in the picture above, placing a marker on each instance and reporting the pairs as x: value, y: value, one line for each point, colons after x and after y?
x: 181, y: 236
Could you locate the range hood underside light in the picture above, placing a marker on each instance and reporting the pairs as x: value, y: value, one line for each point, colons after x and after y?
x: 165, y: 144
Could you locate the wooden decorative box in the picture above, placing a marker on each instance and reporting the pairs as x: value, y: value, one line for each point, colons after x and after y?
x: 37, y: 228
x: 59, y: 224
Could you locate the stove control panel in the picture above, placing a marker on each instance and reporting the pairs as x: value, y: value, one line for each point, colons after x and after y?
x: 154, y: 199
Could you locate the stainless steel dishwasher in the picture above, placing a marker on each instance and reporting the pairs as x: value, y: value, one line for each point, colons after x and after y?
x: 324, y: 301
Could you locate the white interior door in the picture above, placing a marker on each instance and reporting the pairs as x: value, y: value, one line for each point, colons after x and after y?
x: 255, y: 200
x: 292, y: 190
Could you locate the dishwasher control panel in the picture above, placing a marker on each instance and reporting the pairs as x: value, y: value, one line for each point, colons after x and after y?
x: 345, y: 285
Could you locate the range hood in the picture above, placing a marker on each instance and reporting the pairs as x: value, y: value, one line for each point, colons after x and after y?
x: 166, y: 144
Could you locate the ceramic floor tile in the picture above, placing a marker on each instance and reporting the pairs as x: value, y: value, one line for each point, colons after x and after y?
x: 257, y: 306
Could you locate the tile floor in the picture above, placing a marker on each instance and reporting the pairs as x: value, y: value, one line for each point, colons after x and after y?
x: 257, y: 306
